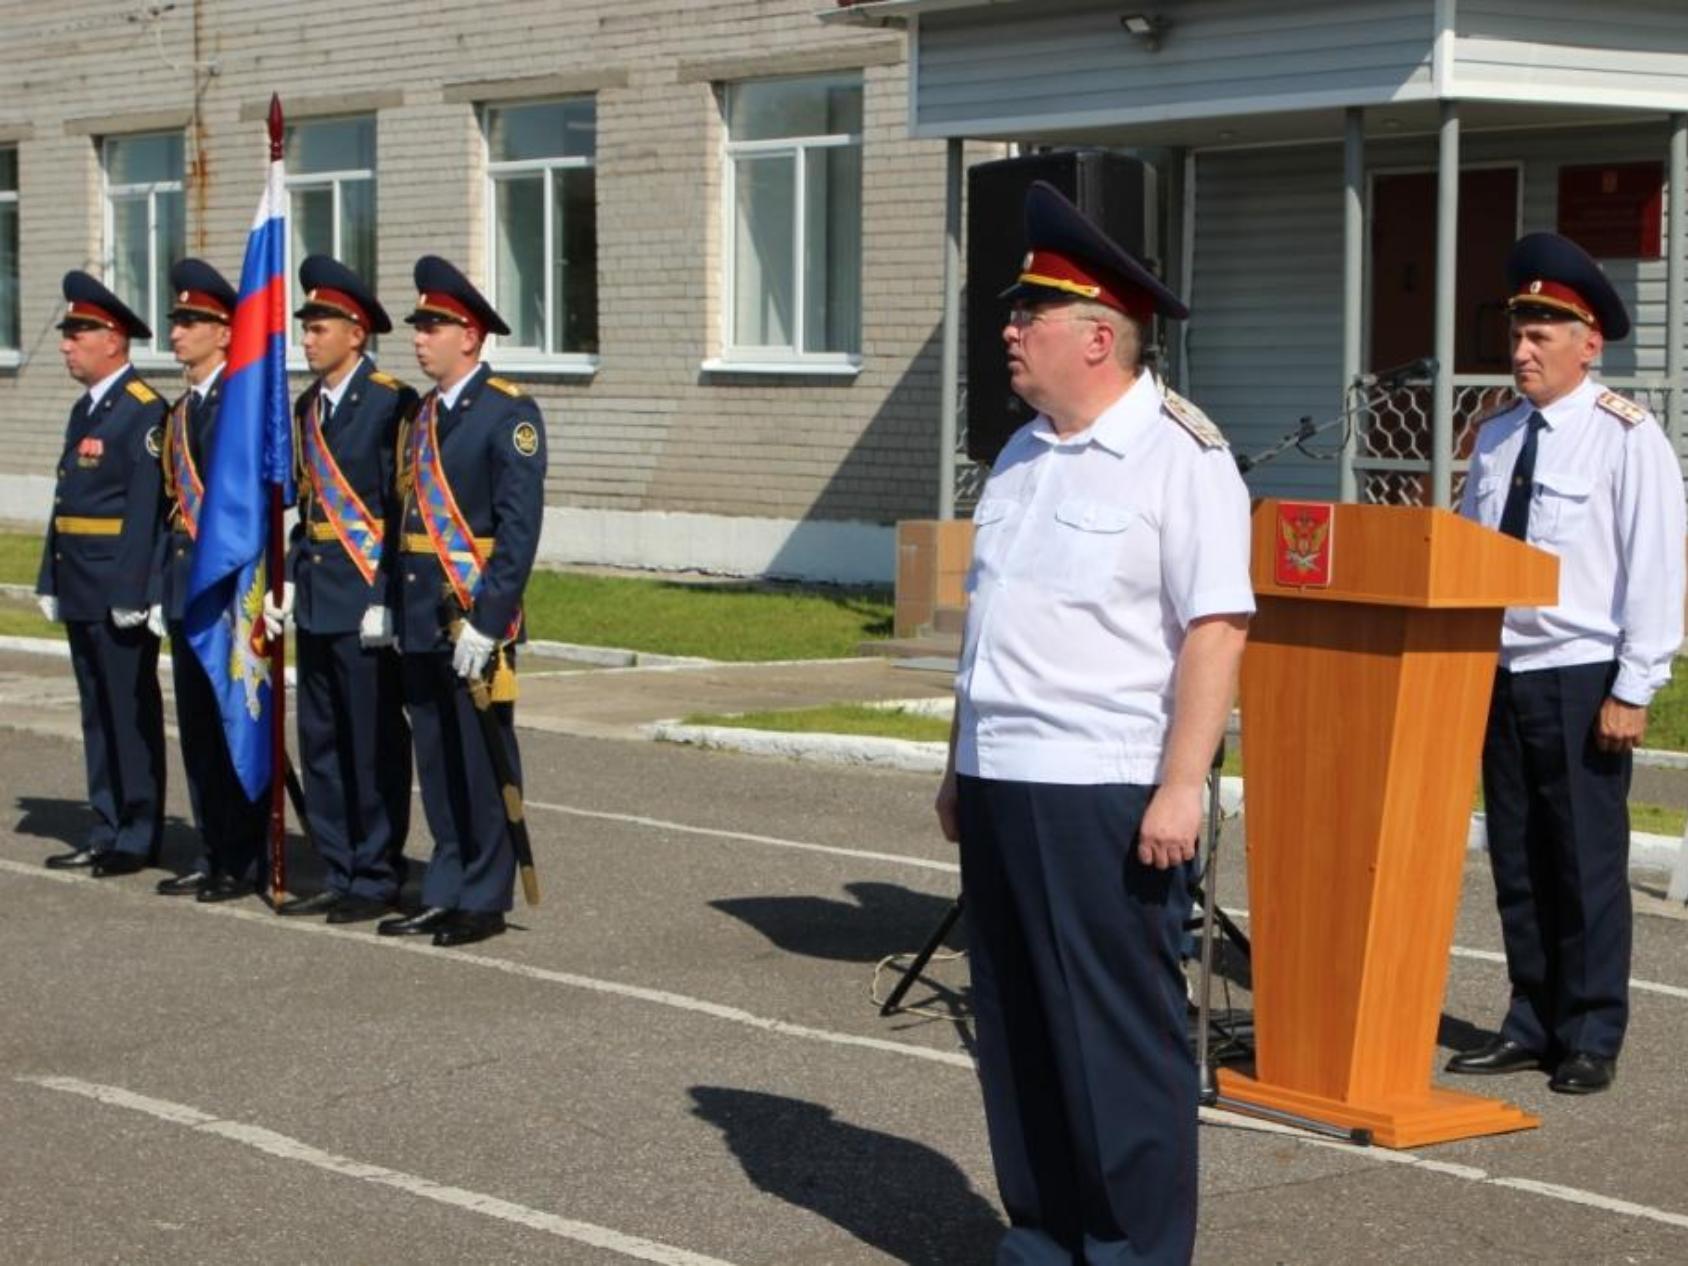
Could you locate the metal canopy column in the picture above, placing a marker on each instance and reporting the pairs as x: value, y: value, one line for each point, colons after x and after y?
x: 950, y: 360
x: 1447, y: 260
x: 1676, y: 419
x: 1353, y: 278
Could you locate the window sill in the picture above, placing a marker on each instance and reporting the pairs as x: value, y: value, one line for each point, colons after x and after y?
x: 584, y: 368
x: 782, y: 368
x: 156, y: 363
x: 10, y: 359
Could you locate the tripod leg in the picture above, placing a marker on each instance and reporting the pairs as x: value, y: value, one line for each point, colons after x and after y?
x: 1209, y: 889
x: 912, y: 972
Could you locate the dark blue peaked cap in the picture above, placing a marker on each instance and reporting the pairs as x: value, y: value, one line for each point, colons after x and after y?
x: 201, y: 292
x: 1068, y: 257
x: 445, y: 294
x: 88, y: 303
x: 1551, y: 276
x: 332, y: 289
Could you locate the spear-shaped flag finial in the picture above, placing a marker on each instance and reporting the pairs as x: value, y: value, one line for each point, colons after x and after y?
x: 275, y: 128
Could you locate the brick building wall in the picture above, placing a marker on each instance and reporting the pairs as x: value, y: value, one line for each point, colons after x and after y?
x: 653, y: 459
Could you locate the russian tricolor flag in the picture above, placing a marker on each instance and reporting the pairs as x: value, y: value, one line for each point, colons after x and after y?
x: 251, y: 457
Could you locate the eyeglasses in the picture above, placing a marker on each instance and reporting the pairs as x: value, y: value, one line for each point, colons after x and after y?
x: 1020, y: 317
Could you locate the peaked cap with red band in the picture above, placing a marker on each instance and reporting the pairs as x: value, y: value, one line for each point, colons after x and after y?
x: 88, y: 305
x: 445, y: 294
x: 1068, y: 257
x: 333, y: 290
x: 1551, y: 277
x: 201, y: 293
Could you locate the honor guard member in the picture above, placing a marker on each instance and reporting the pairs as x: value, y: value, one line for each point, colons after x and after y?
x: 99, y: 577
x: 1109, y: 603
x: 472, y: 477
x: 1590, y: 476
x: 354, y: 741
x: 231, y: 827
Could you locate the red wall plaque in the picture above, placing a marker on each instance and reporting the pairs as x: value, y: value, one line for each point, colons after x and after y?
x: 1613, y: 211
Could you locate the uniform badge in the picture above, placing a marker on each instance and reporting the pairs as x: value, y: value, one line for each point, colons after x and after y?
x: 1535, y: 287
x: 526, y: 438
x: 89, y: 452
x: 1302, y: 550
x: 1026, y: 263
x: 155, y: 441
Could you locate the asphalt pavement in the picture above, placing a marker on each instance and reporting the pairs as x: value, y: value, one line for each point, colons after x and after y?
x: 675, y: 1058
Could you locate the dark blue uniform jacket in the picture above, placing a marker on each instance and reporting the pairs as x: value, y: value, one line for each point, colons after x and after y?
x: 109, y: 471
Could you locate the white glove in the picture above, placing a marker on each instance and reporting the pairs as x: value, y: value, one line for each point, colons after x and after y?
x: 49, y: 605
x: 124, y: 618
x: 276, y: 618
x: 377, y: 628
x: 155, y: 621
x: 474, y: 648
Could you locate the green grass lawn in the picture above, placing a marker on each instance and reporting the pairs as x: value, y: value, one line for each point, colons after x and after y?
x: 837, y: 718
x: 716, y: 621
x: 20, y: 620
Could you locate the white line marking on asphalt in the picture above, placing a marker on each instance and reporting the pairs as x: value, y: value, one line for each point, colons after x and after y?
x: 1494, y: 956
x: 1468, y: 1173
x: 292, y: 1149
x: 634, y: 819
x: 956, y: 1059
x: 610, y: 988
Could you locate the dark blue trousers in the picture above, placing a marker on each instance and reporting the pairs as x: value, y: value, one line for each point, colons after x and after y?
x: 122, y: 734
x: 354, y: 752
x: 232, y: 829
x: 1558, y: 824
x: 1088, y: 1077
x: 474, y: 865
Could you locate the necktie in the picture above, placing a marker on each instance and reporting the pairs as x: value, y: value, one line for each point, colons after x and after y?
x: 1515, y: 515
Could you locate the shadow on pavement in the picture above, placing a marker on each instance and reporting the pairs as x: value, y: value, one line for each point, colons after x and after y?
x: 903, y: 1198
x: 882, y: 919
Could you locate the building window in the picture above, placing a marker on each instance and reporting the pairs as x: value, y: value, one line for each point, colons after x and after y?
x: 145, y: 228
x: 542, y: 209
x: 331, y: 196
x: 794, y: 219
x: 9, y: 331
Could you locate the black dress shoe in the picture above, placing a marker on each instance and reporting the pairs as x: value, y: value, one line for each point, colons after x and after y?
x: 321, y: 903
x: 465, y: 927
x: 115, y: 863
x: 1583, y: 1074
x: 76, y: 859
x: 181, y: 885
x: 358, y: 910
x: 1497, y: 1055
x: 424, y: 921
x: 224, y: 888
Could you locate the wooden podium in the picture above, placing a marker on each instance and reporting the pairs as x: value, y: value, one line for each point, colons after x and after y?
x: 1363, y: 705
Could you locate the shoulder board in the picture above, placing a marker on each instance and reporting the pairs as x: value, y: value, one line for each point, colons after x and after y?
x: 1496, y: 410
x: 382, y: 379
x: 1622, y: 408
x: 506, y: 386
x: 1192, y: 419
x: 141, y: 392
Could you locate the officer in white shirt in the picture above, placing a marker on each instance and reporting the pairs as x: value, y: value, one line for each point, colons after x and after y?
x: 1590, y: 476
x: 1109, y: 603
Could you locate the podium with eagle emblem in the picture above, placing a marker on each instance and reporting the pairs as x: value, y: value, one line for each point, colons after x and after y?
x: 1365, y: 693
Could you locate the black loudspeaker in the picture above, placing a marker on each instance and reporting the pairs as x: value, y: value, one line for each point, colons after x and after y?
x: 1111, y: 189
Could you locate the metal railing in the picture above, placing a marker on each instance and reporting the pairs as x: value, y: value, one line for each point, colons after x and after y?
x: 1393, y: 429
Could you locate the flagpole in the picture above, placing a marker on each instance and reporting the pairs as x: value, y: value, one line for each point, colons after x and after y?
x: 276, y: 561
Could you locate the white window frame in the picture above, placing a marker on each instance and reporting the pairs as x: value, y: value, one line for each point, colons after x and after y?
x: 540, y: 360
x: 334, y: 181
x: 752, y: 358
x: 155, y: 352
x: 10, y: 357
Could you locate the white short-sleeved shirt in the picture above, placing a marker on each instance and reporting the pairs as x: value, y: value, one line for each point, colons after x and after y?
x: 1091, y: 557
x: 1608, y: 500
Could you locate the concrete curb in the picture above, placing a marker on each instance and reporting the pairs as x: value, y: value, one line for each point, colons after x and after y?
x: 612, y: 656
x: 836, y: 749
x: 1647, y: 851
